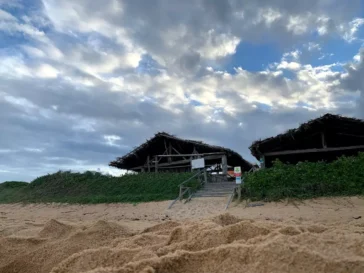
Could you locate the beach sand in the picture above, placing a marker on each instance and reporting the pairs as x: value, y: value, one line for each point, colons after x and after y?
x: 319, y: 235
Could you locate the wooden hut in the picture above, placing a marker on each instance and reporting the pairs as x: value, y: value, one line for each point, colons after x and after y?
x: 165, y: 152
x: 325, y: 138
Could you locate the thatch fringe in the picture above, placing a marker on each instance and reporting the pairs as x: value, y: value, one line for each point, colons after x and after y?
x: 154, y: 146
x: 327, y: 122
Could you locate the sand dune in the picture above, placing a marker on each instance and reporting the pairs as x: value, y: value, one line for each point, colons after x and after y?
x: 224, y: 242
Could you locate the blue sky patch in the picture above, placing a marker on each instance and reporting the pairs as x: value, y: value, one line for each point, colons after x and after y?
x: 254, y: 57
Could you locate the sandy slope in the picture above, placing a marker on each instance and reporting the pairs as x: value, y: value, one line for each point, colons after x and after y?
x: 321, y: 235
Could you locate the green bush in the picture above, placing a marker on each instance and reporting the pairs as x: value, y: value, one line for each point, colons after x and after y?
x: 94, y: 187
x: 344, y: 177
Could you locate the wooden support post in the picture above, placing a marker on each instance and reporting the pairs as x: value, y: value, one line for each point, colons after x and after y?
x: 205, y: 175
x: 239, y: 192
x: 169, y: 151
x: 156, y: 164
x: 224, y: 164
x: 262, y: 161
x: 323, y: 140
x: 148, y: 163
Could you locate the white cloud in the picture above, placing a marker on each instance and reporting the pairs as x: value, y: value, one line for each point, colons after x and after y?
x: 218, y: 45
x: 357, y: 57
x: 268, y: 16
x: 33, y: 51
x: 46, y: 71
x: 34, y: 150
x: 349, y: 30
x: 28, y: 30
x: 112, y: 139
x: 5, y: 151
x: 298, y: 24
x: 311, y: 46
x: 14, y: 67
x: 5, y: 16
x: 292, y: 56
x: 289, y: 65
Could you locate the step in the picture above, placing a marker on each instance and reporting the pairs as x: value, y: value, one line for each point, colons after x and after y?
x: 218, y: 189
x: 220, y: 185
x: 212, y: 195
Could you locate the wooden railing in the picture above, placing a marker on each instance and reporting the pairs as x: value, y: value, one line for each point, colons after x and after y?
x: 183, y: 189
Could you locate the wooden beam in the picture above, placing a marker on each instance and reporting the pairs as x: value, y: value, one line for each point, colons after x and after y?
x: 178, y: 152
x: 174, y: 163
x: 291, y: 152
x: 182, y: 155
x: 137, y: 168
x: 341, y: 134
x: 209, y: 157
x: 323, y: 140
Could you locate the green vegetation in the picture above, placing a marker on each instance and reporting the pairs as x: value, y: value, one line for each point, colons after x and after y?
x: 343, y: 177
x: 91, y: 187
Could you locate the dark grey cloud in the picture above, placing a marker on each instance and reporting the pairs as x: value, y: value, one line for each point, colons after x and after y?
x: 354, y: 81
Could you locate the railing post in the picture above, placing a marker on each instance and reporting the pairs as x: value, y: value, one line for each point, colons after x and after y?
x: 156, y: 164
x: 205, y: 175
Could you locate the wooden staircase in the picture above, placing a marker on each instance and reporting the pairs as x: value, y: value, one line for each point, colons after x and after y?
x: 216, y: 189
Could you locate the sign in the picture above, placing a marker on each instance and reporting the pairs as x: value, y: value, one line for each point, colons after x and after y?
x: 238, y: 180
x: 198, y: 163
x: 237, y: 171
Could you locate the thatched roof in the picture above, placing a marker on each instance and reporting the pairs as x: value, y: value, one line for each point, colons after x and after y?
x: 339, y: 132
x: 156, y: 146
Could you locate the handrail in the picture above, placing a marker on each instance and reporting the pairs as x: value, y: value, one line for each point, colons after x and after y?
x: 189, y: 179
x: 183, y: 190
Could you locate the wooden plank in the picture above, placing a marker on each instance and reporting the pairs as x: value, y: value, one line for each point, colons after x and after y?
x: 291, y: 152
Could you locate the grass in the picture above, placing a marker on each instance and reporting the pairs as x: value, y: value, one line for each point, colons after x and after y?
x: 343, y: 177
x: 92, y: 188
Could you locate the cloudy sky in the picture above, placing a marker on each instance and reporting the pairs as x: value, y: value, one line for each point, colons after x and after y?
x: 82, y: 82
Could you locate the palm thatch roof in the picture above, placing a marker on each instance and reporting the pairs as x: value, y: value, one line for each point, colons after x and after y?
x: 339, y: 131
x: 157, y: 146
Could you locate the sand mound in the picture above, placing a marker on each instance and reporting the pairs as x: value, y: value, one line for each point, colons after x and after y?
x: 225, y: 219
x: 55, y: 229
x: 162, y: 229
x: 57, y: 242
x: 221, y: 244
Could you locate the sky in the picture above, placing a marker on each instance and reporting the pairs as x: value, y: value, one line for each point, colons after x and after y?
x: 83, y: 82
